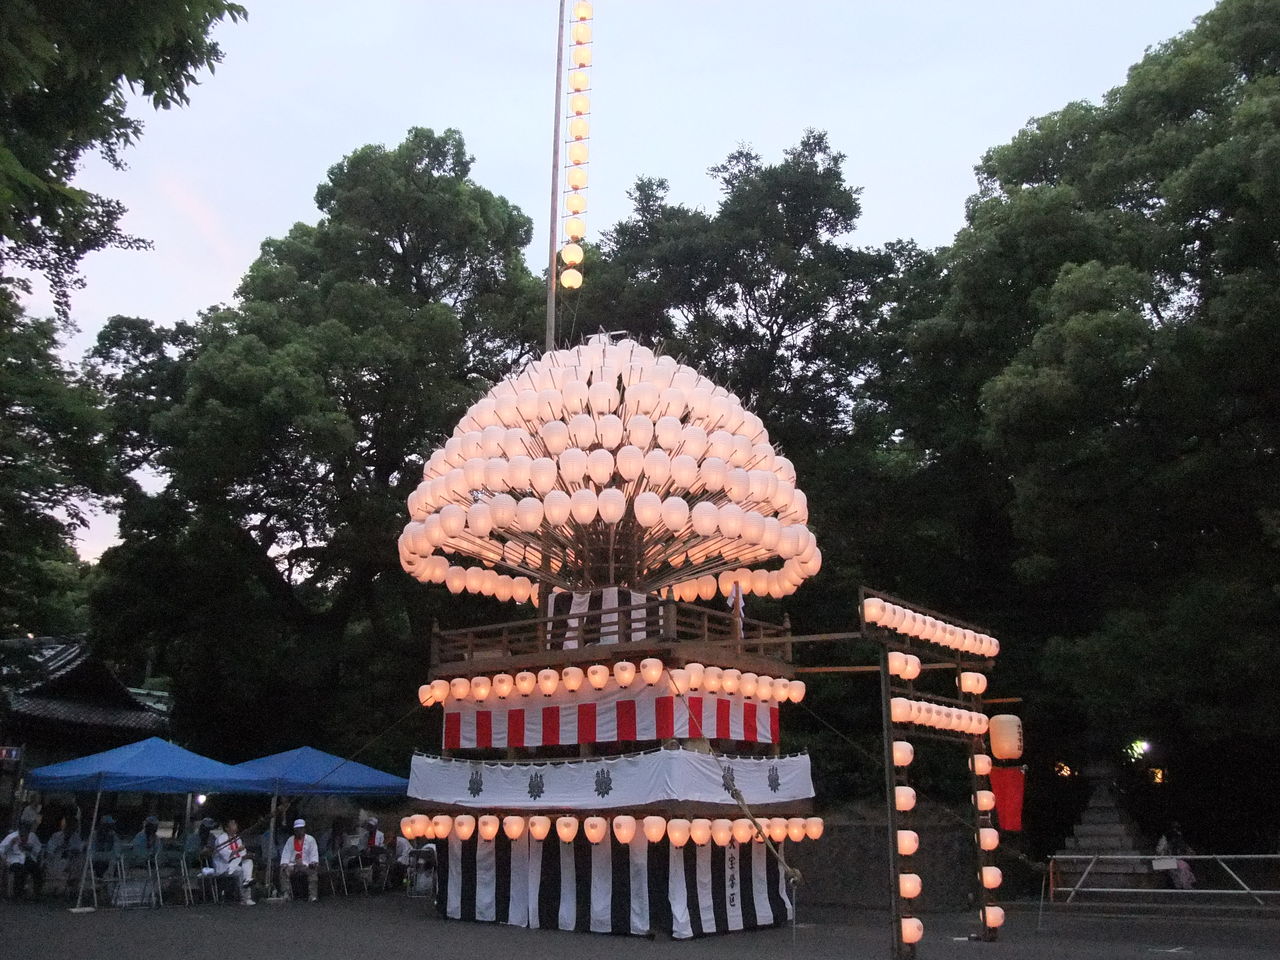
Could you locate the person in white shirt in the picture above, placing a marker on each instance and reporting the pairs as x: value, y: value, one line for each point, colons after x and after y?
x: 230, y: 860
x: 63, y: 851
x: 398, y: 850
x: 370, y: 850
x: 300, y: 854
x: 20, y: 851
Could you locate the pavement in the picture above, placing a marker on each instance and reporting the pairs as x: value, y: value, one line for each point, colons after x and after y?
x: 393, y: 927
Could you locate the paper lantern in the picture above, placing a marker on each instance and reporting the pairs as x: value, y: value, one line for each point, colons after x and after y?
x: 796, y: 830
x: 624, y: 829
x: 611, y: 504
x: 629, y: 462
x: 747, y: 684
x: 903, y: 753
x: 655, y: 828
x: 598, y: 675
x: 453, y: 520
x: 548, y: 681
x: 647, y: 507
x: 406, y: 828
x: 722, y: 832
x: 677, y: 831
x: 897, y: 663
x: 764, y: 687
x: 624, y: 672
x: 521, y: 589
x: 487, y: 826
x: 555, y: 508
x: 873, y: 609
x: 539, y: 827
x: 503, y: 684
x: 908, y: 843
x: 464, y: 825
x: 912, y: 930
x: 696, y: 672
x: 711, y: 677
x: 781, y: 688
x: 529, y: 513
x: 566, y: 828
x: 776, y: 828
x: 684, y: 471
x: 442, y: 825
x: 973, y: 683
x: 480, y: 687
x: 459, y: 687
x: 988, y: 838
x: 425, y: 696
x: 579, y: 127
x: 1006, y: 736
x: 595, y: 829
x: 992, y: 916
x: 992, y: 877
x: 712, y: 472
x: 675, y: 513
x: 904, y: 798
x: 579, y: 80
x: 526, y: 682
x: 513, y: 827
x: 912, y: 668
x: 651, y: 670
x: 700, y: 831
x: 572, y: 678
x: 679, y: 679
x: 900, y: 710
x: 984, y: 800
x: 731, y: 680
x: 423, y: 828
x: 743, y: 830
x: 981, y: 764
x: 795, y: 691
x: 813, y: 827
x: 909, y: 885
x: 730, y: 520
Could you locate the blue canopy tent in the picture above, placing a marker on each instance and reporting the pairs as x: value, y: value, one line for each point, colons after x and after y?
x: 148, y: 766
x: 307, y: 771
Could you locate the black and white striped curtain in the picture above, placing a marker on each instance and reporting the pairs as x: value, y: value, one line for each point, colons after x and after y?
x: 579, y: 622
x: 638, y: 889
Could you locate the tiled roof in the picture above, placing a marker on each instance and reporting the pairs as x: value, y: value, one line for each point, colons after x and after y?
x: 84, y: 714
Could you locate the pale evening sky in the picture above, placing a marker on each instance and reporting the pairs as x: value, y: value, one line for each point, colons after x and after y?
x: 912, y: 92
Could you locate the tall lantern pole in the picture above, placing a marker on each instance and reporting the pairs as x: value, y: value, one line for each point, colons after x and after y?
x: 553, y: 228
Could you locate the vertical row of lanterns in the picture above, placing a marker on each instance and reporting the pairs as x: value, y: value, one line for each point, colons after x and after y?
x: 578, y: 152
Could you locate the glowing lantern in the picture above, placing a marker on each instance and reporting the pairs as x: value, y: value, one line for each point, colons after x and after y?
x: 981, y: 764
x: 908, y: 843
x: 579, y: 128
x: 651, y: 670
x: 525, y: 682
x: 624, y: 829
x: 503, y: 684
x: 423, y: 828
x: 743, y: 830
x: 488, y: 826
x: 426, y: 696
x: 897, y: 663
x: 600, y: 469
x: 579, y: 104
x: 912, y: 930
x: 575, y: 203
x: 575, y: 228
x: 909, y: 885
x: 580, y: 57
x: 904, y: 798
x: 984, y: 800
x: 679, y: 679
x: 624, y: 672
x: 796, y: 829
x: 696, y: 672
x: 655, y: 828
x: 992, y: 877
x: 813, y: 827
x: 571, y: 277
x: 912, y: 668
x: 443, y: 826
x: 903, y: 753
x: 464, y: 825
x: 776, y: 827
x: 973, y: 683
x: 548, y: 681
x: 572, y: 678
x: 988, y: 838
x: 566, y: 828
x: 598, y: 676
x: 571, y: 254
x: 555, y: 508
x: 781, y: 689
x: 711, y: 677
x: 722, y: 832
x: 612, y: 504
x: 595, y: 829
x: 539, y: 827
x: 581, y: 32
x: 648, y: 508
x: 747, y: 684
x: 731, y: 680
x: 406, y: 828
x: 992, y: 916
x: 700, y: 831
x: 1006, y: 736
x: 513, y: 827
x: 873, y: 609
x: 675, y: 513
x: 677, y: 831
x: 900, y: 710
x: 579, y: 80
x: 630, y: 462
x: 582, y: 10
x: 459, y: 687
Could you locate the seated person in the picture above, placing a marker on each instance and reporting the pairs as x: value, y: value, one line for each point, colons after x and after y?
x: 370, y: 844
x: 301, y: 855
x: 104, y: 845
x: 20, y: 852
x: 232, y: 865
x: 63, y: 851
x: 398, y: 850
x: 146, y: 843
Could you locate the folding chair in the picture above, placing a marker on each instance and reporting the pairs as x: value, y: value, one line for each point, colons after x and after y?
x: 420, y: 879
x: 331, y: 866
x: 363, y: 873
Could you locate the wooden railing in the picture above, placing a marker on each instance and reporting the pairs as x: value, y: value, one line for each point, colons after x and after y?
x: 651, y: 624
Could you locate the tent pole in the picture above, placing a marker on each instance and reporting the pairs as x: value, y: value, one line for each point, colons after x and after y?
x: 84, y: 867
x: 271, y: 841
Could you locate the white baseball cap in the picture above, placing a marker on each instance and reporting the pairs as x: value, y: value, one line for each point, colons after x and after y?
x: 299, y: 823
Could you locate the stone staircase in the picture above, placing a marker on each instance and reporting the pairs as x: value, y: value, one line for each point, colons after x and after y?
x: 1104, y: 830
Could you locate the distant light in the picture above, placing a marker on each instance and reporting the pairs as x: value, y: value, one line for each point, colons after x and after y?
x: 1063, y: 770
x: 1157, y: 775
x: 1138, y: 749
x: 200, y: 799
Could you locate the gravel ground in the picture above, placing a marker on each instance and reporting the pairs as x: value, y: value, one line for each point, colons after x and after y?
x: 392, y: 927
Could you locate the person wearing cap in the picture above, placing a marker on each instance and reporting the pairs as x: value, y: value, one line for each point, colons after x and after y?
x: 299, y: 855
x: 370, y: 847
x: 145, y: 841
x: 20, y: 852
x: 231, y: 862
x: 104, y: 845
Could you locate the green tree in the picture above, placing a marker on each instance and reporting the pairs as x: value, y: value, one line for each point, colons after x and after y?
x: 289, y: 429
x: 64, y: 74
x: 51, y: 462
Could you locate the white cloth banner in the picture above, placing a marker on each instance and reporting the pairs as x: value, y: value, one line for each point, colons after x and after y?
x: 610, y: 781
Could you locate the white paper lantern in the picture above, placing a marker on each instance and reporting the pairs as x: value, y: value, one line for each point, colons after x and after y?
x: 629, y: 462
x: 556, y: 507
x: 647, y: 507
x: 675, y: 513
x: 583, y: 505
x: 600, y: 466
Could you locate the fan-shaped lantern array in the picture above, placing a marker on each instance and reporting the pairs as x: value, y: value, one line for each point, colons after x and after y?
x: 608, y: 465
